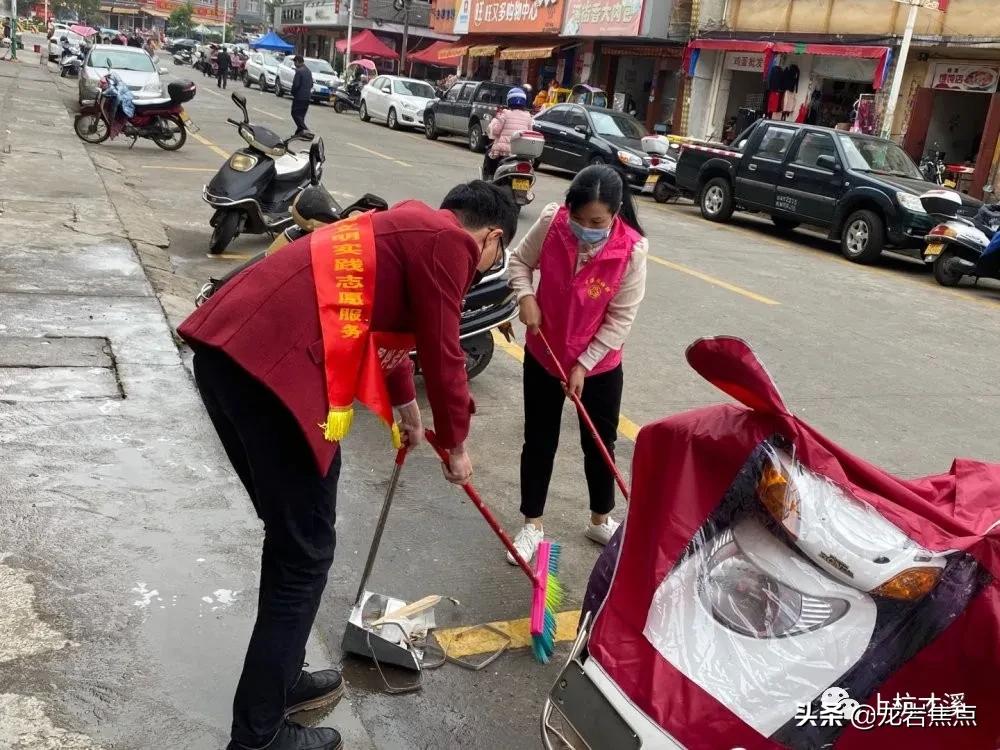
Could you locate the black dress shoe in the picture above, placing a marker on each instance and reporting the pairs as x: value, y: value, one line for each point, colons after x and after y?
x: 291, y: 736
x: 314, y: 690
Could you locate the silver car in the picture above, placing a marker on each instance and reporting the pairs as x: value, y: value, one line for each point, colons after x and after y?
x: 262, y: 69
x: 132, y: 64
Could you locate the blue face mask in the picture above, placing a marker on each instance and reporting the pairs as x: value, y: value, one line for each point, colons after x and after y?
x: 589, y: 235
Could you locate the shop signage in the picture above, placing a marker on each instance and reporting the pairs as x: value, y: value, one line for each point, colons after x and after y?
x: 443, y: 15
x: 977, y: 78
x: 508, y: 16
x: 602, y: 18
x: 321, y: 14
x: 752, y: 62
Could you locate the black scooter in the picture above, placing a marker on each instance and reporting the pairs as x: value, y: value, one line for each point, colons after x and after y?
x: 488, y: 305
x: 255, y: 187
x: 347, y: 98
x: 182, y: 56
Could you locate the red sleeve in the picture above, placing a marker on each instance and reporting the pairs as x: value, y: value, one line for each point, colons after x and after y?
x: 399, y: 381
x: 437, y: 282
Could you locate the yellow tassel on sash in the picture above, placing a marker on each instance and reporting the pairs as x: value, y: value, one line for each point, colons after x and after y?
x: 397, y: 440
x: 338, y: 424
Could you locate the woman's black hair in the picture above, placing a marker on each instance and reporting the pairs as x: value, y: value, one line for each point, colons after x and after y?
x: 601, y: 183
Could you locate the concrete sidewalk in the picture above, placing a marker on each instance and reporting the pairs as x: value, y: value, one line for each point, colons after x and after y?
x: 128, y: 551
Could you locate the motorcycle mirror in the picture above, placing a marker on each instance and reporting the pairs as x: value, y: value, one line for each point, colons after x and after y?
x: 163, y: 71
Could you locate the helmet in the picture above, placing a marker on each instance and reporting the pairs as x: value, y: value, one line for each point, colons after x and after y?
x: 517, y: 98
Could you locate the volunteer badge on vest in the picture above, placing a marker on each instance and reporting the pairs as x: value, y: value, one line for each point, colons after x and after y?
x: 596, y: 287
x: 343, y: 264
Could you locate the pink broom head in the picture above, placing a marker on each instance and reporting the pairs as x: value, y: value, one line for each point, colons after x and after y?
x: 545, y: 602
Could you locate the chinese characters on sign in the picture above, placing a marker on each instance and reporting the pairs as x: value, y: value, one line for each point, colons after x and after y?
x: 513, y: 16
x: 602, y: 18
x: 752, y: 62
x: 837, y: 709
x: 975, y: 78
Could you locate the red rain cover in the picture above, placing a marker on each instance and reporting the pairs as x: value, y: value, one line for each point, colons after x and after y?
x: 682, y: 468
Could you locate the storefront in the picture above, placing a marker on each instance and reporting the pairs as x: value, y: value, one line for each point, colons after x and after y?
x: 957, y: 112
x: 829, y: 85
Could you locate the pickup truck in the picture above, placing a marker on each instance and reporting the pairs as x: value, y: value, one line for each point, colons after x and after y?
x: 465, y: 109
x: 863, y: 190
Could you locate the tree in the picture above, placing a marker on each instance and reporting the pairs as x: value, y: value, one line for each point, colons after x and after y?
x: 83, y: 10
x: 180, y: 18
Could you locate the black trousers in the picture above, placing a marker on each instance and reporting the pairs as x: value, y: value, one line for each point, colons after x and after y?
x: 489, y: 166
x: 299, y: 110
x: 543, y: 405
x: 298, y: 508
x: 222, y: 78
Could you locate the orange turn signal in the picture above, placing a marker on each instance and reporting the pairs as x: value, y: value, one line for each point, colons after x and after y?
x: 776, y: 494
x: 910, y: 585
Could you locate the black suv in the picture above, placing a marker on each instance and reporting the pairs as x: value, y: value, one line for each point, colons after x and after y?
x: 465, y: 109
x: 864, y: 191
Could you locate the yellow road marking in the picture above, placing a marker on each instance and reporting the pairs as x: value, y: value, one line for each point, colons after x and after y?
x: 231, y: 256
x: 714, y: 281
x: 840, y: 259
x: 379, y: 155
x: 468, y: 641
x: 626, y: 427
x: 205, y: 142
x: 180, y: 169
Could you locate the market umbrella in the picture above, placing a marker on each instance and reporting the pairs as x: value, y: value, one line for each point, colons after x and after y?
x: 429, y: 56
x: 201, y: 29
x: 273, y: 42
x: 83, y: 31
x: 366, y: 44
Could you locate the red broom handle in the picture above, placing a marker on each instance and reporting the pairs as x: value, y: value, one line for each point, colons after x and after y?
x: 586, y: 418
x: 478, y: 502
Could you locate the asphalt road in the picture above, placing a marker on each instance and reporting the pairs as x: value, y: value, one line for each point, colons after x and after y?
x: 897, y: 369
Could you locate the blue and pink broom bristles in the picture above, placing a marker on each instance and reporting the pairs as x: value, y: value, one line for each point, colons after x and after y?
x: 546, y: 594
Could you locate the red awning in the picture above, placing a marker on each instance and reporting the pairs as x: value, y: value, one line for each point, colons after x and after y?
x: 770, y: 49
x: 366, y: 44
x: 429, y: 55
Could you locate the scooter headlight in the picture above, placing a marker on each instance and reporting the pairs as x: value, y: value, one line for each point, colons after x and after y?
x: 242, y: 162
x: 745, y: 599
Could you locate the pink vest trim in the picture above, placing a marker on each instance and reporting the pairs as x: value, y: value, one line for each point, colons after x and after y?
x: 574, y: 304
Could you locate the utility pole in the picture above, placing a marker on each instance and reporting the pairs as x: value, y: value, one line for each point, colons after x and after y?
x: 350, y: 33
x: 13, y: 30
x: 224, y: 6
x: 897, y: 78
x: 403, y: 5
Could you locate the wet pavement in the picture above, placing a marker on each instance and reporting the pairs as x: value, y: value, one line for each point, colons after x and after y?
x: 128, y: 550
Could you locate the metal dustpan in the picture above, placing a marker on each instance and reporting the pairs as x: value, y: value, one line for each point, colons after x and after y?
x: 381, y: 627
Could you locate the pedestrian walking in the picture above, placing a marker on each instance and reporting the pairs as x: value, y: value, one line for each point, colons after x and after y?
x: 302, y: 86
x: 281, y: 353
x: 591, y: 257
x: 223, y: 61
x: 502, y: 128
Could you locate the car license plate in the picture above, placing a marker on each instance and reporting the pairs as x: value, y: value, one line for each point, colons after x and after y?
x: 520, y: 184
x: 652, y: 180
x: 933, y: 249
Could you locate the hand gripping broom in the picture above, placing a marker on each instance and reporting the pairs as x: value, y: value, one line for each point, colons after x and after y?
x: 546, y: 595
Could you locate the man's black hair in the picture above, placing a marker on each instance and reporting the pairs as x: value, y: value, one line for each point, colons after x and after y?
x: 298, y: 60
x: 481, y: 204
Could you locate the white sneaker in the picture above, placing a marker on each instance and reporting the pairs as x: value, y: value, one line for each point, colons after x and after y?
x: 526, y: 542
x: 602, y: 532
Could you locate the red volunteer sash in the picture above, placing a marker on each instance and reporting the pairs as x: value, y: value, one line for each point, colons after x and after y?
x: 343, y: 263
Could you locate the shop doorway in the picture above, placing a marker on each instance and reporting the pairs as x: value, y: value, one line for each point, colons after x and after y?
x: 837, y: 100
x: 956, y: 125
x: 633, y: 82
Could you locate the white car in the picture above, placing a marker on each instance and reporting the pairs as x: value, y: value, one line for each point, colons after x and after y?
x: 325, y: 79
x: 262, y: 69
x: 55, y: 43
x: 132, y: 65
x: 396, y: 100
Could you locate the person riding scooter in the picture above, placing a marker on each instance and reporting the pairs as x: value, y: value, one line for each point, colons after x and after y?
x: 514, y: 119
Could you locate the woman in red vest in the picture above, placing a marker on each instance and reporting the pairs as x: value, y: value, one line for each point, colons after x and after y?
x: 591, y: 257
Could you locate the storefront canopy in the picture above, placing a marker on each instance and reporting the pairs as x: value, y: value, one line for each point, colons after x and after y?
x: 430, y: 55
x: 882, y: 54
x: 526, y: 53
x: 273, y: 42
x: 451, y: 52
x: 368, y: 45
x: 483, y: 50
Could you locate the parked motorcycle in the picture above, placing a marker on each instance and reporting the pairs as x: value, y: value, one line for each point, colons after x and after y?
x: 347, y: 97
x: 661, y: 182
x: 182, y: 56
x: 516, y: 173
x: 163, y: 121
x: 959, y: 246
x: 70, y: 62
x: 255, y: 187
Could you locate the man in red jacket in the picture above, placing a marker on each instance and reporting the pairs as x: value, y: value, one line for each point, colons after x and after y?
x: 282, y: 351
